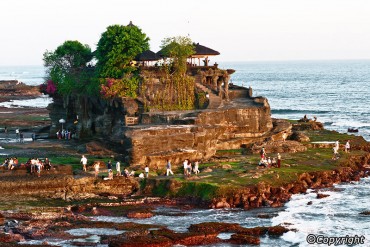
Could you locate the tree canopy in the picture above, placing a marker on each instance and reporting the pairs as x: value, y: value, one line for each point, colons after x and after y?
x: 117, y: 47
x: 67, y: 68
x: 179, y: 49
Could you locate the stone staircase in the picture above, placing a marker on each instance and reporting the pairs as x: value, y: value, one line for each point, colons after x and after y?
x: 215, y: 101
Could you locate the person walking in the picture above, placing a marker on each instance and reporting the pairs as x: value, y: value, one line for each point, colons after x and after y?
x: 109, y: 166
x: 278, y: 160
x: 118, y: 168
x: 189, y: 169
x: 96, y: 168
x: 337, y: 145
x: 347, y: 147
x: 83, y: 162
x: 168, y: 168
x: 185, y: 163
x: 196, y: 168
x: 146, y: 169
x: 263, y: 153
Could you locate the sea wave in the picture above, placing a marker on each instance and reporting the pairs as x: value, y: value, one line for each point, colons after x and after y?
x: 290, y: 111
x: 350, y: 123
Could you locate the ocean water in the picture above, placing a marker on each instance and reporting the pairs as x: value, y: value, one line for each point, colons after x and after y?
x: 336, y: 92
x: 30, y: 75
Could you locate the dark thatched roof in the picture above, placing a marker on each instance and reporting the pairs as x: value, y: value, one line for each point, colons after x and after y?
x: 147, y: 55
x: 203, y: 50
x: 200, y: 50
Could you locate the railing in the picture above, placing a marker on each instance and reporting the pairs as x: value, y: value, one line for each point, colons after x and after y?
x: 131, y: 120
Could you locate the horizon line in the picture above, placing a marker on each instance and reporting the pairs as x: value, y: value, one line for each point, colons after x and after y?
x: 242, y: 61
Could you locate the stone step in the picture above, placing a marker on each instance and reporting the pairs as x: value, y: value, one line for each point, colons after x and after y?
x: 214, y: 100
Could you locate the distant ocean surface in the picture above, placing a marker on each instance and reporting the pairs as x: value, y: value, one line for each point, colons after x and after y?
x: 338, y: 94
x: 30, y: 75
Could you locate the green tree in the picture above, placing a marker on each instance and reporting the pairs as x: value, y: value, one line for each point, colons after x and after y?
x: 117, y: 47
x: 178, y: 49
x: 67, y: 68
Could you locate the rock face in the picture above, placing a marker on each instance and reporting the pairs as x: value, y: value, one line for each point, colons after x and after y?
x: 66, y: 187
x: 228, y: 127
x: 14, y: 89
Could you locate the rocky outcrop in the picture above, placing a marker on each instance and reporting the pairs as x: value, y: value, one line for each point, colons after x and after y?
x: 267, y: 195
x: 14, y: 89
x: 66, y: 187
x: 225, y: 128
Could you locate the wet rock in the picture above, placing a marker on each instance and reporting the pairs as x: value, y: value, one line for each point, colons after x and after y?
x: 277, y: 230
x: 242, y: 239
x: 220, y: 203
x: 139, y: 215
x: 266, y: 216
x: 138, y: 233
x: 255, y: 231
x: 309, y: 203
x: 147, y: 241
x: 365, y: 213
x: 8, y: 238
x: 214, y: 227
x: 319, y: 195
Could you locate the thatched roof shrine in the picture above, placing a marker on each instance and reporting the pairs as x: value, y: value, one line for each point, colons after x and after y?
x: 147, y: 55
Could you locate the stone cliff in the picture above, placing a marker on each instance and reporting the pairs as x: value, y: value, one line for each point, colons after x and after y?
x: 197, y: 135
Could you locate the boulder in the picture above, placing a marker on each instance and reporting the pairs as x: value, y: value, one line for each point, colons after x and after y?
x: 242, y: 239
x: 139, y: 215
x: 319, y: 195
x: 299, y: 136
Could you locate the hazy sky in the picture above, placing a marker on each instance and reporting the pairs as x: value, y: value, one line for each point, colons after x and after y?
x: 241, y: 30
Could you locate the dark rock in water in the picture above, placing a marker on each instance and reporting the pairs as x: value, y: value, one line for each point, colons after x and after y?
x: 255, y: 231
x: 277, y: 230
x: 10, y: 238
x: 139, y: 215
x: 309, y: 203
x: 266, y: 216
x: 352, y: 130
x: 365, y: 213
x: 242, y: 239
x: 214, y: 227
x: 319, y: 196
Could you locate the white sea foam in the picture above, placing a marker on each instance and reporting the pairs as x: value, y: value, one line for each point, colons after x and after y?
x: 40, y: 102
x: 333, y: 216
x: 94, y: 231
x: 350, y: 123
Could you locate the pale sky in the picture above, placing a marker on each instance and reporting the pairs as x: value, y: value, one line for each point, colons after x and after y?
x: 241, y: 30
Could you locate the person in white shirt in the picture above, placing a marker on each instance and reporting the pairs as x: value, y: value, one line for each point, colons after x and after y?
x: 347, y: 147
x: 146, y: 171
x: 83, y: 162
x: 185, y: 167
x: 196, y: 167
x: 118, y: 168
x: 168, y: 166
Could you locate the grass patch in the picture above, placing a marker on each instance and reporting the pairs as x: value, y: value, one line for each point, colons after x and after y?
x: 205, y: 191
